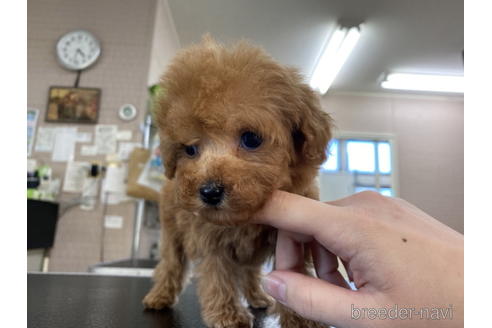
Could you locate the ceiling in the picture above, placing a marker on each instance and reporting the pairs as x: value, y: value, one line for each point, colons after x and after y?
x: 414, y: 36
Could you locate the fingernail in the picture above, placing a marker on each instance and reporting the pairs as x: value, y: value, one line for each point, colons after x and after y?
x: 275, y: 287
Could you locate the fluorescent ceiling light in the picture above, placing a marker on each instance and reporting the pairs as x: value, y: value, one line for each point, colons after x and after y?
x: 424, y: 82
x: 334, y: 55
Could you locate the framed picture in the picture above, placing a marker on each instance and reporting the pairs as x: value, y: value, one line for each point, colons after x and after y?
x: 73, y: 105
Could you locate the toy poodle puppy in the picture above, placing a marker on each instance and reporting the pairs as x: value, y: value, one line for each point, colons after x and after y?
x: 234, y: 126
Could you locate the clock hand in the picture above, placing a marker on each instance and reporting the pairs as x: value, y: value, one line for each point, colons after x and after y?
x: 80, y: 51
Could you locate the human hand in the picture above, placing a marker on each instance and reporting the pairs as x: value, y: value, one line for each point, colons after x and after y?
x: 398, y: 257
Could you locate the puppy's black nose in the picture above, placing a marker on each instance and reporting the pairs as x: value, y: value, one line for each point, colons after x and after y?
x: 212, y: 193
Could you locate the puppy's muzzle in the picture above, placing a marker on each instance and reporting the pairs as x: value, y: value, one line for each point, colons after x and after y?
x: 212, y: 193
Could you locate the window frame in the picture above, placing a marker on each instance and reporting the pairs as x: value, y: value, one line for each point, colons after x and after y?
x: 374, y: 137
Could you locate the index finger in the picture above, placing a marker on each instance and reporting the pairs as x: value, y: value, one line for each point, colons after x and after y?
x: 326, y: 223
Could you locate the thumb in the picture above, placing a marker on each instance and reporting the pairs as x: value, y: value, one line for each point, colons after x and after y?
x: 313, y: 298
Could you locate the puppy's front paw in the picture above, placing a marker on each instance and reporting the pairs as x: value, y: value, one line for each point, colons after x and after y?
x: 158, y: 300
x: 239, y: 319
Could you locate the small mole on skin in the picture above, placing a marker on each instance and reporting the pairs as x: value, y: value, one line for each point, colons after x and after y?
x: 404, y: 240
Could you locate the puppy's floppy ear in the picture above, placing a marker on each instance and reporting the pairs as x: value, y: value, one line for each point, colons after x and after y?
x: 169, y: 151
x: 312, y: 131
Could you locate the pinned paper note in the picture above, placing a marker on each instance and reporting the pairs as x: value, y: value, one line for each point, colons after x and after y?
x: 84, y: 137
x: 31, y: 165
x: 75, y: 175
x: 64, y: 145
x: 124, y: 135
x: 114, y: 185
x: 88, y: 150
x: 89, y: 193
x: 115, y: 179
x: 45, y: 139
x: 106, y: 139
x: 113, y: 222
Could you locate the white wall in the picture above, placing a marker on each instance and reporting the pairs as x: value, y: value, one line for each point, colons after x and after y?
x: 165, y: 42
x: 429, y: 139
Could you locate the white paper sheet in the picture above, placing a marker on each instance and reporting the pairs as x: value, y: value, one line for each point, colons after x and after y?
x: 64, y: 146
x: 88, y: 150
x: 113, y: 222
x: 114, y: 185
x: 115, y: 179
x: 106, y: 139
x: 31, y: 165
x: 84, y: 137
x: 45, y: 139
x: 75, y: 175
x: 124, y: 135
x: 89, y: 193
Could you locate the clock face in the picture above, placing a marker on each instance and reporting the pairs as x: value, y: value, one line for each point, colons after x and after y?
x: 78, y: 50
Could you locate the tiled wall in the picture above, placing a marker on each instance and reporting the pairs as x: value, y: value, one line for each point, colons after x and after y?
x: 125, y: 29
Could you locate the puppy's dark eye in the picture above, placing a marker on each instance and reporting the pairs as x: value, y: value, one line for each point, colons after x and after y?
x: 191, y: 150
x: 250, y: 140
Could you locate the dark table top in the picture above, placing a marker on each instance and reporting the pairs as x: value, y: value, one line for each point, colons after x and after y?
x: 87, y: 300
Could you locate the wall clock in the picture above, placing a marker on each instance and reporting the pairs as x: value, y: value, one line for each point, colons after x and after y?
x: 78, y: 50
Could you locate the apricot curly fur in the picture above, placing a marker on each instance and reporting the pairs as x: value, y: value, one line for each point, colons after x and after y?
x: 213, y: 94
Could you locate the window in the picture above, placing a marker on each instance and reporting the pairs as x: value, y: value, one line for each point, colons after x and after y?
x: 384, y: 157
x: 368, y: 160
x: 361, y: 156
x: 331, y: 164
